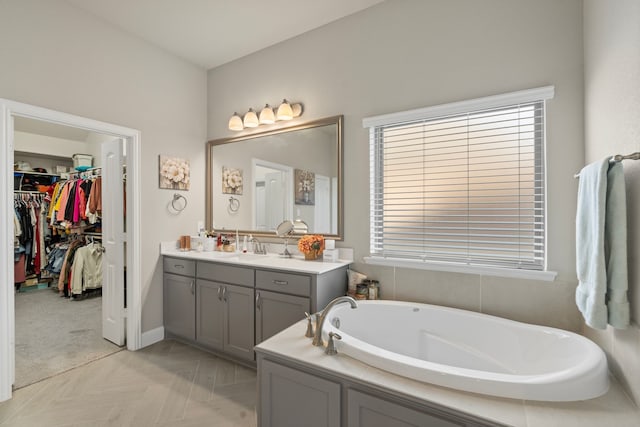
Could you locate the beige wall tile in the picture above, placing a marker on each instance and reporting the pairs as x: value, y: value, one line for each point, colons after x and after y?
x: 626, y: 359
x: 440, y: 288
x: 385, y: 275
x: 531, y: 301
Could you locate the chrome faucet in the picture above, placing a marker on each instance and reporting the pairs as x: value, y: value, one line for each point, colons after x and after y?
x: 317, y: 337
x: 258, y: 248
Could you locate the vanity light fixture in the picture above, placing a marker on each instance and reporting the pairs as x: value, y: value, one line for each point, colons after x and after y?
x: 266, y: 116
x: 235, y: 122
x: 285, y: 111
x: 251, y: 119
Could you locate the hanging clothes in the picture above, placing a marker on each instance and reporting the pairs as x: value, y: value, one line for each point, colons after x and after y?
x: 87, y: 268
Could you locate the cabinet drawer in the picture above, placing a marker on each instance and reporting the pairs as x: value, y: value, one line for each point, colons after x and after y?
x: 225, y: 273
x: 295, y: 284
x: 179, y: 266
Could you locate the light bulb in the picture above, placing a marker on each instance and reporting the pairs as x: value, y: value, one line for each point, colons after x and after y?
x: 235, y: 122
x: 284, y: 111
x: 250, y: 119
x: 266, y: 115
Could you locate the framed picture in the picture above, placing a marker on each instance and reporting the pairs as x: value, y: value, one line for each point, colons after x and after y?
x: 305, y: 187
x: 174, y: 173
x: 231, y: 180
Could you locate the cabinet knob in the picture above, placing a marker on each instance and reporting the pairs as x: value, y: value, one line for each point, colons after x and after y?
x: 258, y: 301
x: 219, y: 293
x: 224, y: 293
x: 280, y: 282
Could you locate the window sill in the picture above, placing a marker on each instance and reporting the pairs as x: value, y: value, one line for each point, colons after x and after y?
x: 546, y: 276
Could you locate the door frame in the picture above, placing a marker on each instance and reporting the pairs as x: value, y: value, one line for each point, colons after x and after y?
x: 132, y: 137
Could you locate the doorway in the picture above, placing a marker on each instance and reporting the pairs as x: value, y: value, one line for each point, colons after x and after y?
x: 129, y: 318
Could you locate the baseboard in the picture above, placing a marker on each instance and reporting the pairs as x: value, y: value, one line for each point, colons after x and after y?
x: 153, y: 336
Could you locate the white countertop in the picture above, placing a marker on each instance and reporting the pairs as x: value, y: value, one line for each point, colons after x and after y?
x: 614, y: 408
x: 272, y: 261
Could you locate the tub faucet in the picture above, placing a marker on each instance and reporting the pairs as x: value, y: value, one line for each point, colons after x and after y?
x: 317, y: 337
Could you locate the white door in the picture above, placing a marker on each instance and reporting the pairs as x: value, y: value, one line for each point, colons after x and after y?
x: 322, y: 211
x: 274, y: 199
x: 113, y: 239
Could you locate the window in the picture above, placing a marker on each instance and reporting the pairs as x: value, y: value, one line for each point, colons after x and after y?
x: 461, y: 183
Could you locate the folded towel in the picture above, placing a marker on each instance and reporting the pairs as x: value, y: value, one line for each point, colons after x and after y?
x: 601, y: 246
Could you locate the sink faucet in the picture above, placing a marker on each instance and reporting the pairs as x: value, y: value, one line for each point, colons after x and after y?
x: 317, y: 337
x: 258, y: 248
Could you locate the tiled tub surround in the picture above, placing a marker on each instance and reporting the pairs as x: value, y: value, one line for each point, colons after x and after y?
x: 471, y: 351
x: 292, y: 350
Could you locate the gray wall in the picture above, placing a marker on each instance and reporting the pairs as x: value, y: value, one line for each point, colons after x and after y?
x: 58, y: 57
x: 408, y: 54
x: 612, y: 126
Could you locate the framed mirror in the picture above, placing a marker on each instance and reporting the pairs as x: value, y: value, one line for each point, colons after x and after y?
x: 256, y: 181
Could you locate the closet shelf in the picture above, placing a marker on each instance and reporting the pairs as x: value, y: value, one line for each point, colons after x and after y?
x: 34, y: 173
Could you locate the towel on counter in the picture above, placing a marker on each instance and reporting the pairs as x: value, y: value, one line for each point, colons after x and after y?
x: 601, y: 246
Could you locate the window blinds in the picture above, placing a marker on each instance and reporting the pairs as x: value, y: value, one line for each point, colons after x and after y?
x: 466, y: 188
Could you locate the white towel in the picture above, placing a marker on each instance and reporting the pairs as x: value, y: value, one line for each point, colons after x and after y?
x: 601, y: 246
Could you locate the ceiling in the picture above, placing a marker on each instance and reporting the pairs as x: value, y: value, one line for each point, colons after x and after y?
x: 210, y: 33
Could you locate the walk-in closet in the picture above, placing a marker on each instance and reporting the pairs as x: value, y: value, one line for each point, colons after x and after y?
x: 58, y: 268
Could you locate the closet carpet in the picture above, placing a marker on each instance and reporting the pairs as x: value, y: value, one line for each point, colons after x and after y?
x: 166, y: 384
x: 54, y: 334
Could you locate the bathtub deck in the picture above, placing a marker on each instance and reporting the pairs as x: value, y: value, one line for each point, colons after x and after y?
x: 614, y: 408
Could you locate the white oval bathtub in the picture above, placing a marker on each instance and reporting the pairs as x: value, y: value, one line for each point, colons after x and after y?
x: 471, y: 351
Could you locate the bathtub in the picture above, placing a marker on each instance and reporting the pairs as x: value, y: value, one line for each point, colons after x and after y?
x: 470, y: 351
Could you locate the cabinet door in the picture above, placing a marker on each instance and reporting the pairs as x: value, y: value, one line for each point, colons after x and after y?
x: 179, y: 306
x: 275, y: 312
x: 291, y: 398
x: 239, y: 321
x: 368, y: 411
x: 209, y: 314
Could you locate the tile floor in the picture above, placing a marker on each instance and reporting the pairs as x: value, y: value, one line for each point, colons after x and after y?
x: 166, y: 384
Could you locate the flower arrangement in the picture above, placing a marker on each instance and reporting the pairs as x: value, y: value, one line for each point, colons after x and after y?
x: 306, y: 181
x: 231, y: 181
x: 311, y: 245
x: 174, y: 173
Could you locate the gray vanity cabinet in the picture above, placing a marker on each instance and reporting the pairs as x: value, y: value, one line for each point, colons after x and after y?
x: 210, y: 314
x: 239, y: 321
x: 291, y: 398
x: 225, y: 309
x: 275, y: 312
x: 231, y: 308
x: 179, y: 297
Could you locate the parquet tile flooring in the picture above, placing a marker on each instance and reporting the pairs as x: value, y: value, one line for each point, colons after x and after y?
x: 166, y: 384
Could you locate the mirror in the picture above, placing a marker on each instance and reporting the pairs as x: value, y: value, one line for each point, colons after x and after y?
x: 258, y: 180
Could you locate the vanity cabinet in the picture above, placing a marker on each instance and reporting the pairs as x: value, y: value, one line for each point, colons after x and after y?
x: 179, y: 297
x: 225, y: 309
x: 283, y: 297
x: 275, y: 312
x: 230, y: 308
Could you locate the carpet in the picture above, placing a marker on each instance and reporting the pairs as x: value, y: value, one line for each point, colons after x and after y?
x: 55, y: 334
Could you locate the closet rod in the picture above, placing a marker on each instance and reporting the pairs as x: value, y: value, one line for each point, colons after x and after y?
x: 79, y: 173
x: 28, y: 192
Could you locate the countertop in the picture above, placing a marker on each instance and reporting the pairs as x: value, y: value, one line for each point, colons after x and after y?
x: 614, y: 408
x: 271, y: 261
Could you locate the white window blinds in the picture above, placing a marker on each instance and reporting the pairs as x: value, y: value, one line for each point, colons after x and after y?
x: 464, y: 188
